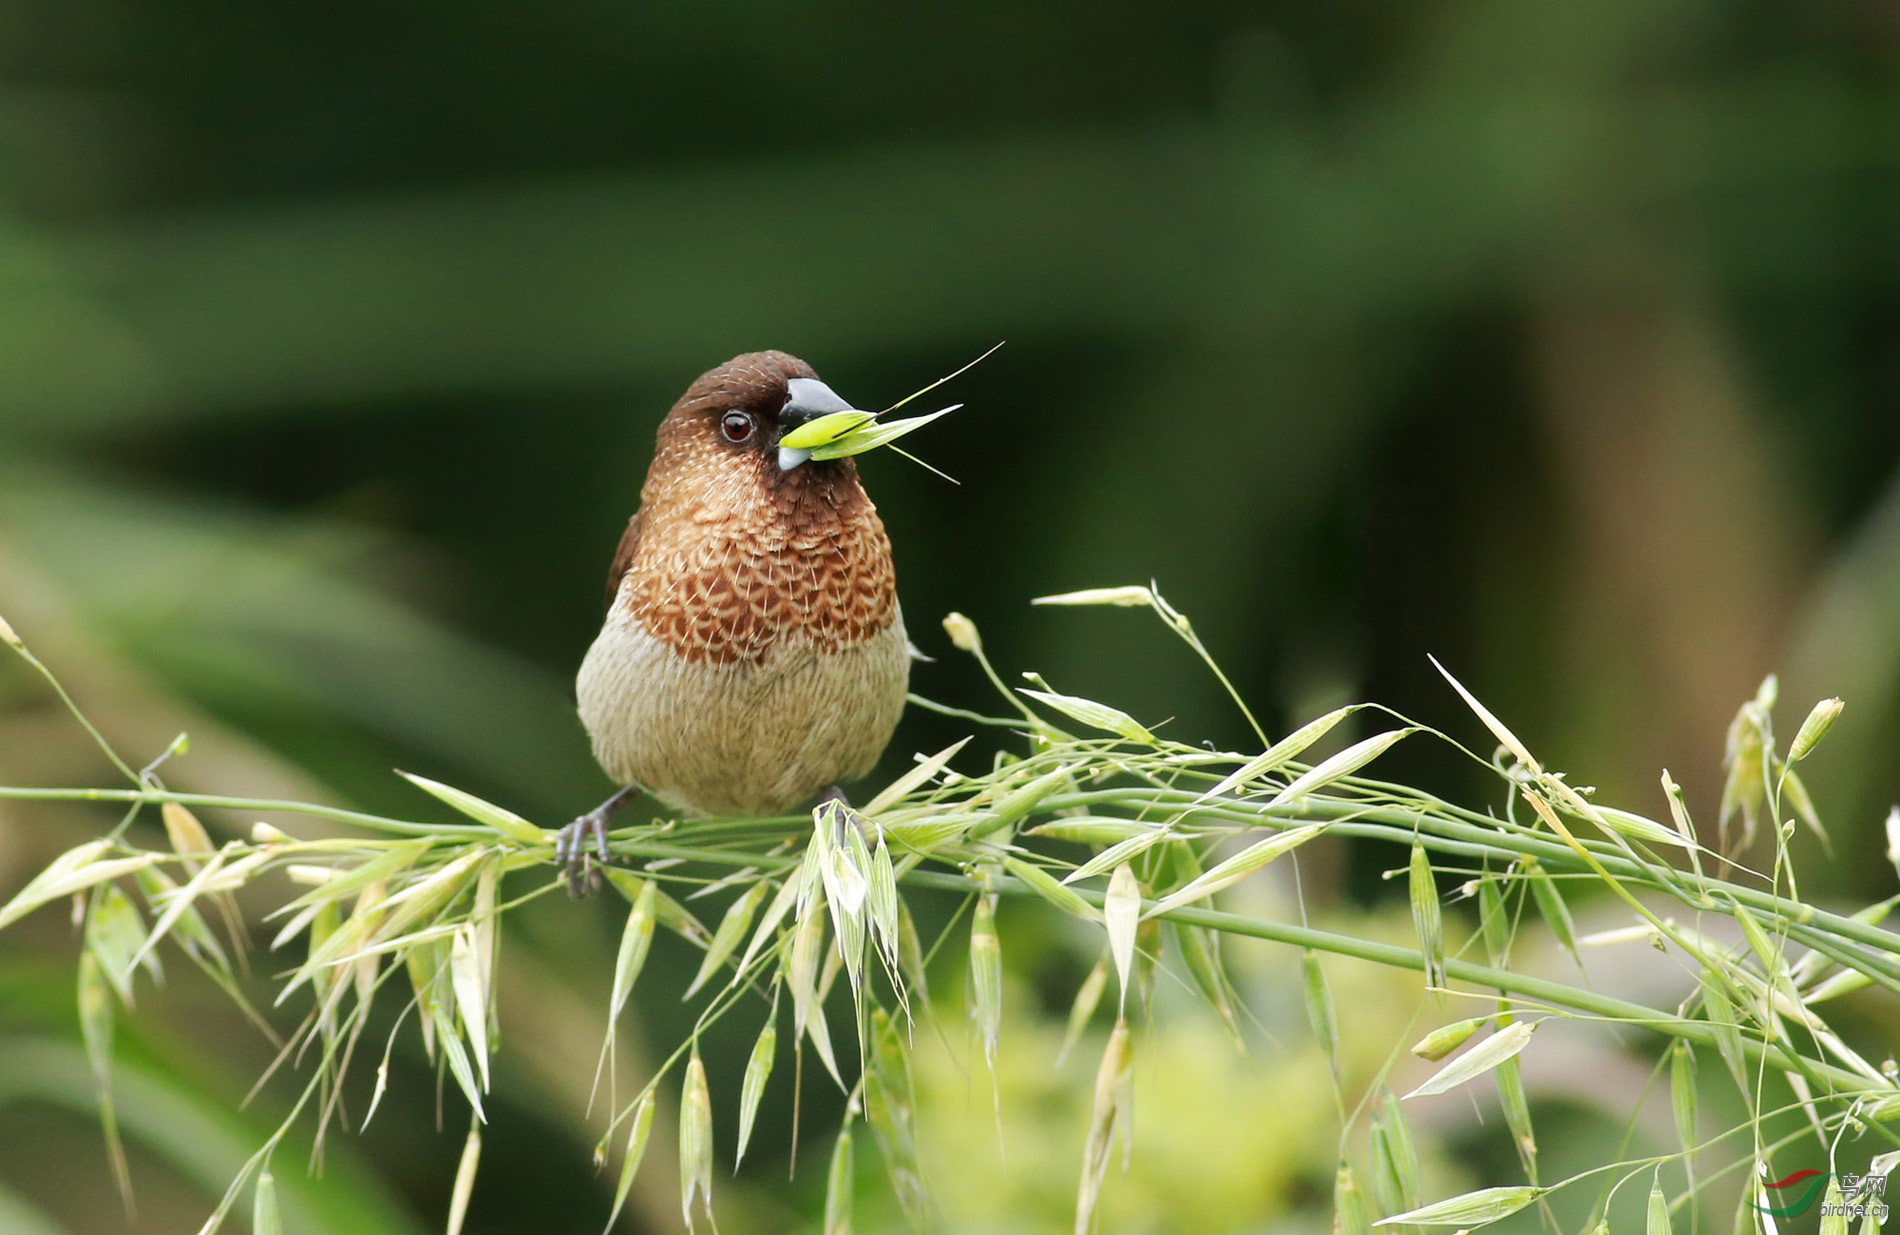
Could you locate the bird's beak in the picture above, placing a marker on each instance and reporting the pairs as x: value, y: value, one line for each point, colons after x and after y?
x: 806, y: 398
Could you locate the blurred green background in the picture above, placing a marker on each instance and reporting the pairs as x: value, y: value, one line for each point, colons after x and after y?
x: 1559, y: 340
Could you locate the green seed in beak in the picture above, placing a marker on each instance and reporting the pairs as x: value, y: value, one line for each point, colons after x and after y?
x: 825, y: 430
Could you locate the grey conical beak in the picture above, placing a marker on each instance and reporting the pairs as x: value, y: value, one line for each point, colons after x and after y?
x: 806, y: 398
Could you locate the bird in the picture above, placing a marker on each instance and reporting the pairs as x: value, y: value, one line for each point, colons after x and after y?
x: 753, y: 655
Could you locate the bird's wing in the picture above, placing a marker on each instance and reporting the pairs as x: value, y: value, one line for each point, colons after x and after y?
x: 623, y: 558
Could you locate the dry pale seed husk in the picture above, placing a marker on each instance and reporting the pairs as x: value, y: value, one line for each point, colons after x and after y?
x: 471, y: 994
x: 1132, y: 597
x: 74, y: 871
x: 915, y: 778
x: 187, y: 836
x: 1505, y: 737
x: 1121, y: 912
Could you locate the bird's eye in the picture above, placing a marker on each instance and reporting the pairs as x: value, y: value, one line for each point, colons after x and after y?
x: 737, y: 426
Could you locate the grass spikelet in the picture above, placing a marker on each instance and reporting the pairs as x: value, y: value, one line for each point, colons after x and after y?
x: 1110, y: 1114
x: 1199, y: 951
x: 1319, y: 1007
x: 1746, y: 759
x: 1445, y: 1039
x: 1468, y: 1209
x: 758, y: 1070
x: 725, y: 940
x: 1280, y: 753
x: 1427, y: 918
x: 1819, y: 720
x: 1494, y: 922
x: 696, y: 1141
x: 890, y: 1108
x: 1550, y: 904
x: 1043, y: 884
x: 471, y: 994
x: 95, y: 1024
x: 839, y: 1189
x: 187, y: 836
x: 1088, y: 997
x: 1339, y: 766
x: 1349, y: 1204
x: 1488, y: 1054
x: 1658, y: 1223
x: 1682, y: 1094
x: 1238, y: 867
x: 1517, y: 1114
x: 1833, y: 1208
x: 986, y: 976
x: 265, y: 1219
x: 1395, y: 1171
x: 1036, y: 820
x: 1122, y: 912
x: 638, y: 1129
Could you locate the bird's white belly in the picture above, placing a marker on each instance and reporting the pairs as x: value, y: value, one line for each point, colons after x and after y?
x: 751, y: 737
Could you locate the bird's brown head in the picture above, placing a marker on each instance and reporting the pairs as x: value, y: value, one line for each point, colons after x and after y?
x: 729, y: 423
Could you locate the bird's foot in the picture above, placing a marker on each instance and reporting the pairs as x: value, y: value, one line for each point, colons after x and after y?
x: 573, y: 853
x: 844, y: 816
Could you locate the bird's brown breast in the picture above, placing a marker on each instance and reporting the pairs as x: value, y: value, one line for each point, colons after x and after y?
x: 729, y: 558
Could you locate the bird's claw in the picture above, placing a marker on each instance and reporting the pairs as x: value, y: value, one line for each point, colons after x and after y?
x: 580, y: 861
x: 577, y: 858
